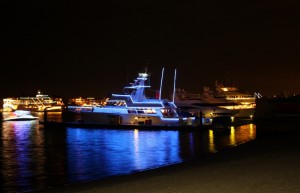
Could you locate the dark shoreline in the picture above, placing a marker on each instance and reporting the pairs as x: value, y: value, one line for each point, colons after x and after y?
x: 269, y: 163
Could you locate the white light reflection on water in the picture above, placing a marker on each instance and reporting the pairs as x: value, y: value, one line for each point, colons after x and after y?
x: 33, y: 157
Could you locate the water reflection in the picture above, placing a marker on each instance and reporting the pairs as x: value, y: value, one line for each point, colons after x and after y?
x: 93, y: 154
x: 33, y: 157
x: 22, y: 155
x: 211, y: 142
x: 195, y: 144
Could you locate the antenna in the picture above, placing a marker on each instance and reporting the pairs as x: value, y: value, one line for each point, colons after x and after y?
x: 161, y: 80
x: 127, y: 81
x: 174, y: 86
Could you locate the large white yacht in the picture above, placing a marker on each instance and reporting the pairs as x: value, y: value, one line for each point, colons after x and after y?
x: 40, y: 102
x: 244, y: 102
x: 133, y: 107
x: 228, y: 101
x: 196, y: 103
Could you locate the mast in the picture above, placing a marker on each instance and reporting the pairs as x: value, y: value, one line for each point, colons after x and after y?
x: 161, y: 80
x: 174, y: 86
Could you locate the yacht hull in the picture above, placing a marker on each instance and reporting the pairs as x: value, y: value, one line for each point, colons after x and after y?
x: 127, y: 119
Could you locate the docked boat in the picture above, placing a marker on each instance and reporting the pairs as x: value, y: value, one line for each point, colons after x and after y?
x: 223, y: 101
x: 20, y: 115
x: 133, y: 107
x: 40, y: 102
x: 195, y: 103
x: 234, y: 99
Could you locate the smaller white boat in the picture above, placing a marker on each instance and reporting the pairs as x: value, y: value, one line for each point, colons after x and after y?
x: 20, y: 115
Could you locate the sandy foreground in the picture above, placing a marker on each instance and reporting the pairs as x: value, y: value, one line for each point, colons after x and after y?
x: 268, y: 164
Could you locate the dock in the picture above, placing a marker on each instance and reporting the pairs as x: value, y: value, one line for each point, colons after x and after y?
x: 51, y: 124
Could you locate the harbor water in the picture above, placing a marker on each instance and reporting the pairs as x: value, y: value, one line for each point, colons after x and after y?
x: 33, y: 157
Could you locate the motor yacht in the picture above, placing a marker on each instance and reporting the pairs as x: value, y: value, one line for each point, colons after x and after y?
x: 133, y: 107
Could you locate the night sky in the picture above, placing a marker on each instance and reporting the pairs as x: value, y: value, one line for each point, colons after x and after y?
x: 81, y: 48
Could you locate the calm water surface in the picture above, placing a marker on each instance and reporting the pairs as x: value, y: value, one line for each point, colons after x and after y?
x: 33, y: 157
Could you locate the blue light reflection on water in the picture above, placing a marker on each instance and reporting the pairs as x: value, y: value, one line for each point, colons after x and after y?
x: 33, y: 157
x: 95, y: 154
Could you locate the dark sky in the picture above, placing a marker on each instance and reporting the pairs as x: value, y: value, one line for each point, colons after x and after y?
x: 81, y: 48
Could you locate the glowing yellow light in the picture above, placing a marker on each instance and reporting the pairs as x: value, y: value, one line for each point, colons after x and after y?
x: 232, y: 119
